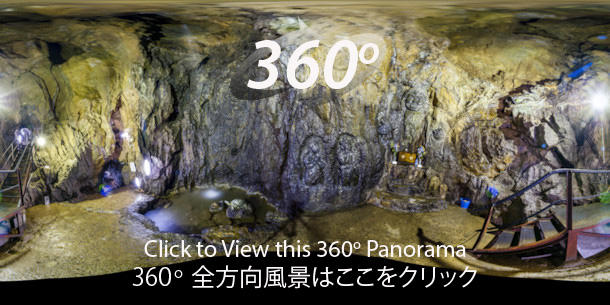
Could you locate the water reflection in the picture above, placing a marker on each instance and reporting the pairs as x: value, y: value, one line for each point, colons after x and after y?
x: 189, y: 212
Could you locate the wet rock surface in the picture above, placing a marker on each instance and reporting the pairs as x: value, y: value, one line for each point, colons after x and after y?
x: 410, y: 189
x: 218, y: 206
x: 239, y: 209
x: 276, y: 218
x: 486, y: 91
x: 245, y: 235
x: 192, y: 211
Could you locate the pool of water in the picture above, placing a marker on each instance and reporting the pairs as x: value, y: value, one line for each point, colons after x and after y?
x: 189, y: 212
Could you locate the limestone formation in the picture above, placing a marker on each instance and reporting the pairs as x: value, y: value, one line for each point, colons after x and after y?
x: 217, y: 206
x: 239, y: 209
x: 487, y: 94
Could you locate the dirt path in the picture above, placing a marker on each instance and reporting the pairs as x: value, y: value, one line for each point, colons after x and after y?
x: 97, y: 237
x: 87, y: 238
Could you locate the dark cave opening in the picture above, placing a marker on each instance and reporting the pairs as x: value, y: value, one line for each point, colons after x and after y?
x: 55, y: 53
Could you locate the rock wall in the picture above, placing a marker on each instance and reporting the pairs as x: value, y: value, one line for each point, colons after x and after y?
x: 486, y: 92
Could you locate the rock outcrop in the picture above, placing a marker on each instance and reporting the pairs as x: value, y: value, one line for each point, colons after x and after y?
x: 486, y: 92
x: 239, y: 209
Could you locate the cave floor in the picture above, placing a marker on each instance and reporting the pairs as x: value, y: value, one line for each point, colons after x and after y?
x: 96, y: 237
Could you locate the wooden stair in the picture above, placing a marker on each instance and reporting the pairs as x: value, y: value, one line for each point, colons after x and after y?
x: 547, y: 228
x: 526, y: 237
x: 504, y: 240
x: 565, y: 223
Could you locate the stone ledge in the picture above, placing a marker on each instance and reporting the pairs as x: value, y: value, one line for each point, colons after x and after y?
x: 408, y: 204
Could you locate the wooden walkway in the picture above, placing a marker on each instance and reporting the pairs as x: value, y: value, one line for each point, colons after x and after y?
x: 563, y: 224
x: 584, y: 216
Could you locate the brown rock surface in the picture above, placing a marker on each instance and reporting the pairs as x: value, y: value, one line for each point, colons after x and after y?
x: 483, y: 90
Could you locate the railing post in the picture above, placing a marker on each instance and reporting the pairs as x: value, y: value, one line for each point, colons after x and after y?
x: 20, y: 187
x: 19, y: 223
x: 571, y: 250
x: 570, y: 201
x: 484, y: 228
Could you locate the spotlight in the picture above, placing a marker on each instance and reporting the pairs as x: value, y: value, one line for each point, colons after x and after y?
x: 137, y: 182
x: 147, y: 168
x: 40, y: 141
x: 599, y: 100
x: 124, y: 134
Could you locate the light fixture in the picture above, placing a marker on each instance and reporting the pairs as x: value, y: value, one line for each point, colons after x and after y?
x: 137, y: 182
x: 146, y: 167
x: 40, y: 141
x: 599, y: 100
x: 124, y: 134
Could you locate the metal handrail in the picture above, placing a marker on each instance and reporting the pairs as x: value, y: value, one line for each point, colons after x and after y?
x: 16, y: 164
x: 8, y: 157
x: 28, y: 176
x: 569, y: 199
x: 21, y: 155
x: 524, y: 219
x: 11, y: 148
x: 16, y: 159
x: 9, y: 188
x: 18, y: 214
x: 553, y: 172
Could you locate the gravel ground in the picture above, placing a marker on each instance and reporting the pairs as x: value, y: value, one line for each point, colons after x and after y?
x: 101, y: 236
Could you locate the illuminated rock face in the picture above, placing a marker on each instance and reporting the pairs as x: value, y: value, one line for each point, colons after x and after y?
x: 485, y: 92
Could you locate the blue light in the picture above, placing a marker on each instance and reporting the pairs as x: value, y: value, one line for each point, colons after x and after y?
x: 601, y: 37
x: 105, y: 190
x: 578, y: 72
x: 492, y: 192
